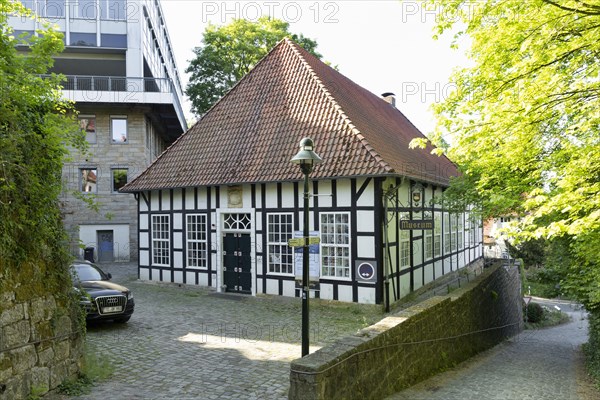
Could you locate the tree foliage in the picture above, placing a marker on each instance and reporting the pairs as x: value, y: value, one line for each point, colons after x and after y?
x: 229, y: 52
x: 36, y: 124
x: 524, y: 122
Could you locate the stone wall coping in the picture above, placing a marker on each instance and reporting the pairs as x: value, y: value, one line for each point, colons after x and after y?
x: 342, y: 349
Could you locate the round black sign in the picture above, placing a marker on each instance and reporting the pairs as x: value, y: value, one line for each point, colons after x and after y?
x: 366, y: 271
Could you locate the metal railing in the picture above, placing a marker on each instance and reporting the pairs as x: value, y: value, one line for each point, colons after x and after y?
x: 116, y: 84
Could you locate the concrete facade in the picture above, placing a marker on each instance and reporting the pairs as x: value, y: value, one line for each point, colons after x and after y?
x: 118, y: 64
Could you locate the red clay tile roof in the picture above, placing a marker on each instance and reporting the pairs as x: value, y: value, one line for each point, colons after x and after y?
x: 251, y: 134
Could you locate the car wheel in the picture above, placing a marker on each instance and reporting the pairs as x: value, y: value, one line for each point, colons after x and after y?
x: 122, y: 320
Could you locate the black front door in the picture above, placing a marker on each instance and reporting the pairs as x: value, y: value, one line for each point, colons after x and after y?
x: 237, y: 266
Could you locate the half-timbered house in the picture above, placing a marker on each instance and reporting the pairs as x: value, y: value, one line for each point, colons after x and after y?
x: 219, y: 206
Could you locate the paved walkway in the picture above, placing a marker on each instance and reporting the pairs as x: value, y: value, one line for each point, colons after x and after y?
x: 536, y: 365
x: 191, y: 343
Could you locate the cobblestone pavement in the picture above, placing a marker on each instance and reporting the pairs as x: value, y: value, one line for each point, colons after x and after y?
x: 192, y: 343
x: 536, y: 365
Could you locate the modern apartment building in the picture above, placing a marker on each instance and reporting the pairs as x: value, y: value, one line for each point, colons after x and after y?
x: 121, y: 73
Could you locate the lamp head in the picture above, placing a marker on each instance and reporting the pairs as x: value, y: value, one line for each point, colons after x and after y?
x: 306, y: 157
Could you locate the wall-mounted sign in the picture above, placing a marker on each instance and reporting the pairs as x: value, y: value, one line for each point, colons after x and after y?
x: 366, y: 271
x: 407, y: 224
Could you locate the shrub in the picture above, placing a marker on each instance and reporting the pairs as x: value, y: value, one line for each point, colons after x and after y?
x: 533, y: 312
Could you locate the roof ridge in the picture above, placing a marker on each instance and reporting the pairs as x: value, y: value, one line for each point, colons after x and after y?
x: 207, y: 112
x: 363, y: 140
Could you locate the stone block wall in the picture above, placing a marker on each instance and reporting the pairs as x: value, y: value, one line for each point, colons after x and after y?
x: 40, y: 346
x: 413, y: 344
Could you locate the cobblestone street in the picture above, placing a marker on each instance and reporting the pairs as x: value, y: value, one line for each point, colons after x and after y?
x: 191, y: 343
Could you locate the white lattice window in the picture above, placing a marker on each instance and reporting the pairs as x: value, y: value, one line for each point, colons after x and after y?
x: 197, y: 247
x: 279, y: 230
x: 468, y: 238
x: 161, y: 240
x: 453, y: 223
x: 404, y: 243
x: 437, y: 235
x: 237, y: 222
x: 428, y: 244
x: 447, y: 231
x: 335, y: 245
x: 461, y: 228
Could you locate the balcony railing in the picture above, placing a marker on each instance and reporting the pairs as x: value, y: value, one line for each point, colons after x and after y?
x: 117, y: 84
x: 124, y: 84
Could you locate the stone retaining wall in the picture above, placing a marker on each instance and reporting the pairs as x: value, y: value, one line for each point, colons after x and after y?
x: 38, y: 349
x: 413, y: 344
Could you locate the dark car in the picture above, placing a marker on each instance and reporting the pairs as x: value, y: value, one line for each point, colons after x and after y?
x: 101, y: 299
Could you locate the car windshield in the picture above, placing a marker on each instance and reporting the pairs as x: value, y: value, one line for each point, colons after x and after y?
x: 87, y: 273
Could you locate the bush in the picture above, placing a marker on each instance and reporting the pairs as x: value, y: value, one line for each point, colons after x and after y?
x: 533, y: 312
x: 592, y: 348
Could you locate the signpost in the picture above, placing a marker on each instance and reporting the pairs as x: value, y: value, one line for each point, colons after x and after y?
x: 299, y: 242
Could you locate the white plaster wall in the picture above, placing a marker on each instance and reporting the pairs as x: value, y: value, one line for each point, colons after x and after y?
x: 287, y: 194
x: 177, y: 199
x: 144, y: 258
x: 344, y: 198
x: 121, y: 249
x: 203, y: 279
x: 154, y: 204
x: 177, y: 259
x: 345, y: 293
x: 178, y: 277
x: 365, y: 246
x: 144, y: 274
x: 271, y: 195
x: 189, y: 199
x: 365, y: 221
x: 166, y: 199
x: 289, y: 288
x: 429, y: 273
x: 366, y: 295
x: 325, y: 198
x: 272, y: 287
x: 326, y: 291
x: 367, y: 197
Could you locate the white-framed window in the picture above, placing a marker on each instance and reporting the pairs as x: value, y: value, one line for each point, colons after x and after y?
x: 87, y: 123
x: 118, y: 129
x: 468, y: 238
x: 279, y: 231
x: 437, y: 234
x: 453, y: 223
x: 428, y: 244
x: 89, y: 180
x: 447, y: 231
x: 197, y: 247
x: 335, y: 245
x: 161, y: 240
x: 460, y: 237
x: 404, y: 244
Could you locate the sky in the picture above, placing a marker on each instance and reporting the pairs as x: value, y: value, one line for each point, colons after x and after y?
x: 384, y: 46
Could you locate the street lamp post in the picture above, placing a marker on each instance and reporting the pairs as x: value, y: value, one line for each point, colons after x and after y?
x: 306, y: 159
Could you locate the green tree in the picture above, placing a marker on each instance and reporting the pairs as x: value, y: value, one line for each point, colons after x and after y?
x: 36, y: 125
x: 524, y: 125
x: 229, y: 52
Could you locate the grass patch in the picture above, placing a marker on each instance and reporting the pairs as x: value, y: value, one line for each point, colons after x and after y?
x: 96, y: 368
